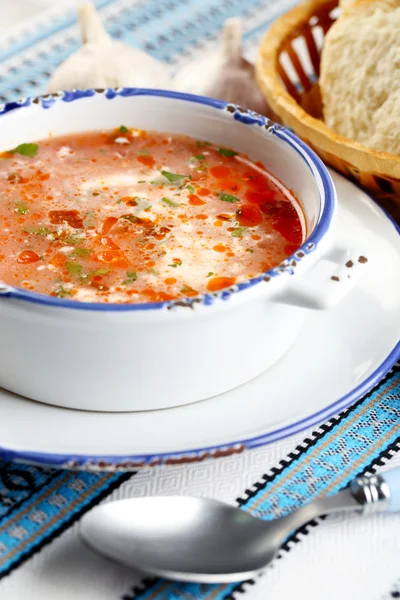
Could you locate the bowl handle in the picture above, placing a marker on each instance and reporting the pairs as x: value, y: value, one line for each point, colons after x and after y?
x: 327, y: 282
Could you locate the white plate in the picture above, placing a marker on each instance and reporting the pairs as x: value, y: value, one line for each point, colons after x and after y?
x: 337, y: 358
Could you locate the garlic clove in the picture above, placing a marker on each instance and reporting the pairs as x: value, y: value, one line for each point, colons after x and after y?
x: 105, y: 62
x: 92, y: 28
x: 224, y: 73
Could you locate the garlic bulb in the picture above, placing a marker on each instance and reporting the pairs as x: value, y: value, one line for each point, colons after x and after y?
x: 224, y: 73
x: 104, y: 62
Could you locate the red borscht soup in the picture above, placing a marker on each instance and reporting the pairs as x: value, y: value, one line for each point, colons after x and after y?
x: 130, y: 216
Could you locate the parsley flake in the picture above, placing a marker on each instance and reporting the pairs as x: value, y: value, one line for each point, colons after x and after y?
x: 173, y: 177
x: 26, y: 150
x: 238, y: 231
x: 74, y: 268
x: 131, y: 276
x: 228, y: 198
x: 226, y: 152
x: 123, y: 129
x: 21, y: 208
x: 169, y: 202
x: 61, y: 292
x: 99, y: 272
x: 42, y: 231
x: 176, y: 263
x: 73, y: 239
x: 81, y: 252
x: 202, y: 143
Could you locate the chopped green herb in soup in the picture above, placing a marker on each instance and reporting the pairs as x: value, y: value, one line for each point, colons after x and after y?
x: 134, y: 216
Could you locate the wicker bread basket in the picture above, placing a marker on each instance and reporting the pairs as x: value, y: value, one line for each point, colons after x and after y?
x: 287, y: 73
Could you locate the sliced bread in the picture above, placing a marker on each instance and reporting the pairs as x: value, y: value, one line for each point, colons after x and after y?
x: 360, y: 74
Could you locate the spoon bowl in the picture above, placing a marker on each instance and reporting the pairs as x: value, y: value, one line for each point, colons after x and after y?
x: 177, y: 536
x: 207, y: 541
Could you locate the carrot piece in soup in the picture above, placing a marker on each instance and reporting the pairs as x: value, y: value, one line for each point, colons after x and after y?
x: 27, y: 257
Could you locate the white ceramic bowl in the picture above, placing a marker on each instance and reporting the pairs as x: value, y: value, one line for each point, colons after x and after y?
x: 150, y: 356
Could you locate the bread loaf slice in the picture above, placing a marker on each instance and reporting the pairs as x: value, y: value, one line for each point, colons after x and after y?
x: 360, y: 74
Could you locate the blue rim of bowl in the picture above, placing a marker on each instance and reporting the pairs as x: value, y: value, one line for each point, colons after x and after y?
x: 124, y: 462
x: 247, y: 117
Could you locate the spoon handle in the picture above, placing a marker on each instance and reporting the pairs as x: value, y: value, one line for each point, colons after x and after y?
x: 392, y: 478
x: 378, y: 493
x: 366, y: 495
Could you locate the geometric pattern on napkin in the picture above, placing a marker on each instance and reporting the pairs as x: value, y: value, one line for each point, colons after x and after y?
x: 360, y: 439
x: 37, y: 504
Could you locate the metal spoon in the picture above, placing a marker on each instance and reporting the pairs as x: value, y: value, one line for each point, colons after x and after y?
x: 203, y: 540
